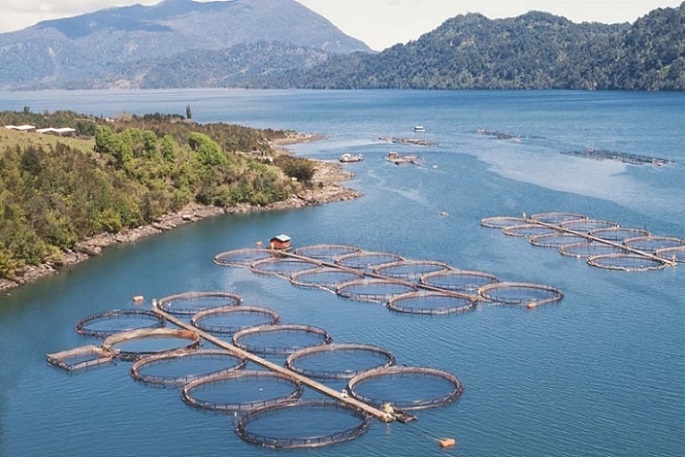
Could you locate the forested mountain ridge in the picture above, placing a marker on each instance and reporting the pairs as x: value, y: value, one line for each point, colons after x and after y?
x: 533, y: 51
x: 80, y: 51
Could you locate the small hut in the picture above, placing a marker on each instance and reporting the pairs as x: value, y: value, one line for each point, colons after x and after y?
x: 280, y: 242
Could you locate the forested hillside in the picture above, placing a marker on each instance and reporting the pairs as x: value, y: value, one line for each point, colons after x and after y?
x: 533, y: 51
x: 125, y: 173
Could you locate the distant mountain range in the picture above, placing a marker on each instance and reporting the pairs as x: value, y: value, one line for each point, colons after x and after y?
x: 117, y: 46
x: 281, y: 44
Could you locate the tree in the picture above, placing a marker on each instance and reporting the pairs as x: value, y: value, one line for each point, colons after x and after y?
x: 189, y: 113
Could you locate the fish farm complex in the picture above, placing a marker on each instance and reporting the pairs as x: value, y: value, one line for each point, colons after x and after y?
x: 603, y: 244
x: 216, y: 351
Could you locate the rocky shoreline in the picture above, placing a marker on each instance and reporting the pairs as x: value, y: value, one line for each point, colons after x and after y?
x: 326, y: 189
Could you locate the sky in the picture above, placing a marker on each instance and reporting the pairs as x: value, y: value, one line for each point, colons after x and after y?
x: 378, y: 23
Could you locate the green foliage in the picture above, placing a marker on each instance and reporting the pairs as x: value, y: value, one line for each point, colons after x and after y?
x: 532, y: 51
x: 53, y: 195
x: 296, y: 167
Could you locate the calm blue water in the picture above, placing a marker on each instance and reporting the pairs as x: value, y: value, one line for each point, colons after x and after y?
x: 600, y: 374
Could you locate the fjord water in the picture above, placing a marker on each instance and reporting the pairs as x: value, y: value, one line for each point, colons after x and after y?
x: 599, y: 374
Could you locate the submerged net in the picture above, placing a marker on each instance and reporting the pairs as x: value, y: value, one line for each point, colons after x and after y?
x: 625, y: 262
x: 303, y: 424
x: 587, y: 249
x: 619, y: 234
x: 587, y: 225
x: 326, y: 252
x: 653, y: 243
x: 465, y: 281
x: 431, y: 303
x: 373, y: 290
x: 367, y: 260
x: 557, y: 218
x: 281, y: 339
x: 102, y: 325
x: 231, y: 319
x: 339, y: 361
x: 281, y: 267
x: 82, y: 358
x: 240, y: 391
x: 407, y: 388
x: 675, y: 254
x: 501, y: 222
x: 555, y: 240
x: 528, y: 230
x: 410, y: 270
x: 242, y: 257
x: 135, y: 344
x: 519, y: 293
x: 324, y: 278
x: 178, y: 368
x: 190, y: 303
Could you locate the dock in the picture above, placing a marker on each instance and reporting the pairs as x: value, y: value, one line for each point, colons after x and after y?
x: 305, y: 381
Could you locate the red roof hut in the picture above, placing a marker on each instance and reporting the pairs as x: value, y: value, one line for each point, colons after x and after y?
x: 280, y: 242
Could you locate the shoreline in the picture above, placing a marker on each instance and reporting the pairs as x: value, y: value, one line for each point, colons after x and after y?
x: 326, y: 188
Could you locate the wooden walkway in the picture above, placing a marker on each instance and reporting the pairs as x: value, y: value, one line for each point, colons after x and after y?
x: 369, y: 274
x: 587, y: 236
x: 305, y: 381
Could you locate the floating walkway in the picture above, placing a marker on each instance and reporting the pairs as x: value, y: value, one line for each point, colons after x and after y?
x: 604, y: 244
x: 425, y: 287
x: 304, y: 380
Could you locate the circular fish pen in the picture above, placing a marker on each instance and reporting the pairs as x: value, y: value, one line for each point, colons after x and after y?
x: 555, y: 240
x: 500, y: 222
x: 179, y: 368
x: 372, y: 290
x: 587, y: 249
x: 283, y: 339
x: 431, y: 303
x: 242, y: 257
x: 102, y: 325
x: 134, y: 344
x: 324, y: 278
x: 303, y: 424
x: 326, y: 252
x: 241, y: 390
x: 232, y: 319
x: 366, y: 260
x: 352, y: 359
x: 281, y: 267
x: 675, y: 254
x: 557, y: 218
x: 619, y: 234
x: 191, y: 303
x: 528, y: 230
x: 587, y: 225
x: 464, y: 281
x: 406, y: 388
x: 410, y: 270
x: 625, y: 262
x: 520, y: 293
x: 653, y: 243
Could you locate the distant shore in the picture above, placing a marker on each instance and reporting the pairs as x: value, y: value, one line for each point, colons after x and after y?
x: 326, y: 188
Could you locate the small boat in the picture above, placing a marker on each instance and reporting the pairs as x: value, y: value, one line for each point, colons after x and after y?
x: 419, y: 128
x: 347, y: 157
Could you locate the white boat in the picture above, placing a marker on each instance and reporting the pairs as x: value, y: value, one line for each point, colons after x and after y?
x: 419, y: 128
x: 347, y: 157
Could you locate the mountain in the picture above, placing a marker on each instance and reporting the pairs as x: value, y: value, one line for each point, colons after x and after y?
x: 533, y: 51
x: 62, y: 52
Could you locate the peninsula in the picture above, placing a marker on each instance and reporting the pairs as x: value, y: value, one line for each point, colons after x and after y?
x: 112, y: 181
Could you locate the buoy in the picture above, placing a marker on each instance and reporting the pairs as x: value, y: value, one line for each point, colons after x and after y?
x: 447, y: 442
x: 531, y: 305
x: 138, y: 299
